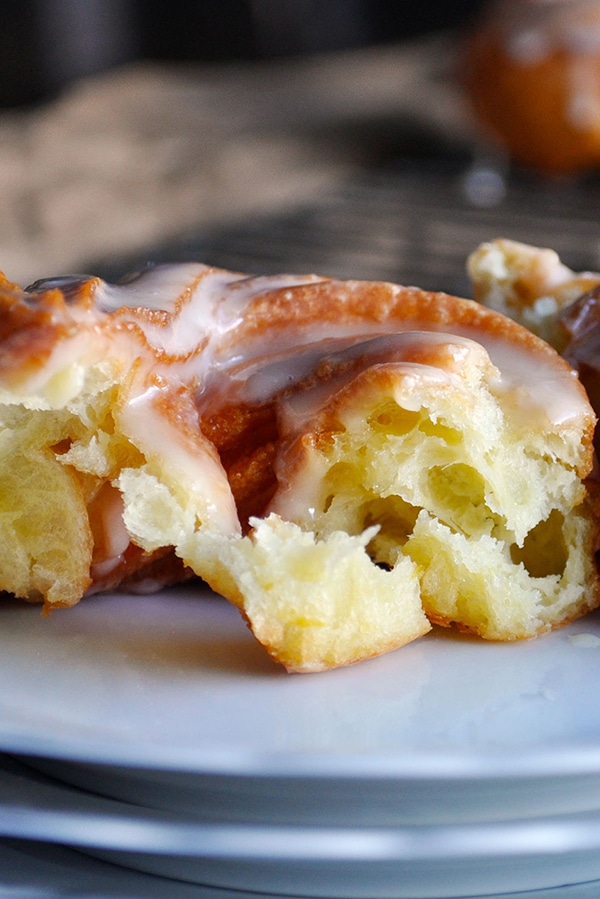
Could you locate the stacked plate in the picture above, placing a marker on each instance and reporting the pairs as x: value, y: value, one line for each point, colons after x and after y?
x: 152, y: 733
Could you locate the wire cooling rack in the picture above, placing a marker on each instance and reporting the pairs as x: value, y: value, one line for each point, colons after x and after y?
x: 411, y: 222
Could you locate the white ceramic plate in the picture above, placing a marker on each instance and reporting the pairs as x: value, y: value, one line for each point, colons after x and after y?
x: 342, y: 862
x: 47, y: 872
x: 169, y: 701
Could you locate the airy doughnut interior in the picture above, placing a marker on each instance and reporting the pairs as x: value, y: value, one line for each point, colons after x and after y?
x: 463, y: 506
x: 71, y: 478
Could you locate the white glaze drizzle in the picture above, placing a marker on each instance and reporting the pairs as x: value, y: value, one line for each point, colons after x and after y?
x: 204, y: 304
x: 207, y: 308
x: 194, y: 339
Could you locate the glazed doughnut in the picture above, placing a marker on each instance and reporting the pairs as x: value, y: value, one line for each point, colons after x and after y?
x: 347, y: 462
x: 531, y: 71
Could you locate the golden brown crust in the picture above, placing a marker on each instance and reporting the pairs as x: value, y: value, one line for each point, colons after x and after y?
x: 373, y: 303
x: 246, y: 436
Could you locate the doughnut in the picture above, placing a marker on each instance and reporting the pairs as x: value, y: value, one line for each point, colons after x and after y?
x: 349, y: 463
x: 532, y: 285
x: 531, y: 74
x: 528, y: 284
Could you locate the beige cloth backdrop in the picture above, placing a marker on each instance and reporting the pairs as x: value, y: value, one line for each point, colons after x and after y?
x: 142, y: 153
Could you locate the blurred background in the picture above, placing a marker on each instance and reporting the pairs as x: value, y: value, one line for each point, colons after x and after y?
x: 49, y: 42
x: 262, y: 135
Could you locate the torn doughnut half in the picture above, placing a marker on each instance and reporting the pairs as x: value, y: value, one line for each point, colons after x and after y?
x: 346, y: 462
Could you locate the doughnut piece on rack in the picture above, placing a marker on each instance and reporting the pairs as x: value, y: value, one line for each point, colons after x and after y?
x: 527, y: 283
x: 347, y: 462
x: 533, y: 286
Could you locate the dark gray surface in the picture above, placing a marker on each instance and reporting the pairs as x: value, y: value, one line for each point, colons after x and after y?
x: 411, y: 222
